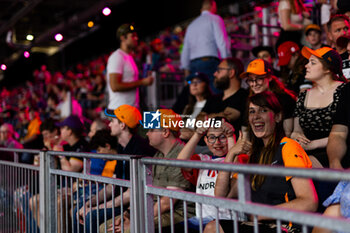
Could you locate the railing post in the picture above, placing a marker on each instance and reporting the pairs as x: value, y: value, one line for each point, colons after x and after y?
x: 44, y: 192
x: 136, y: 208
x: 46, y: 200
x: 265, y: 30
x: 243, y: 192
x: 148, y: 203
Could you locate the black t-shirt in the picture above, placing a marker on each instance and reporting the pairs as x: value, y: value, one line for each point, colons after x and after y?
x: 237, y: 101
x: 136, y: 146
x: 342, y: 117
x: 79, y: 146
x: 346, y: 64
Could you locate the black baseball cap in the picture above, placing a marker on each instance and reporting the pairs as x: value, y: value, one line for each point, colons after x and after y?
x: 198, y: 75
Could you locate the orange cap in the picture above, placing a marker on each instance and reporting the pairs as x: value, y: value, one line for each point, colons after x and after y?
x: 258, y: 67
x: 127, y: 114
x: 170, y: 119
x: 307, y: 52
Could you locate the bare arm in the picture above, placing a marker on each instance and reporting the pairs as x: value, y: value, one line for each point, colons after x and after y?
x: 336, y: 147
x: 116, y: 83
x: 231, y: 114
x: 225, y: 185
x: 306, y: 197
x: 165, y: 202
x: 286, y: 24
x: 118, y: 200
x: 72, y: 165
x: 332, y: 211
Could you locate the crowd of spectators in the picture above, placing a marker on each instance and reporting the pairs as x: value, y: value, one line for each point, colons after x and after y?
x: 283, y: 106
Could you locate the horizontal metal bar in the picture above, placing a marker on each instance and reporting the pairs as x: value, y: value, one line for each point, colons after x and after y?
x: 300, y: 217
x: 20, y: 150
x: 21, y: 165
x: 321, y: 174
x: 102, y: 179
x: 94, y: 155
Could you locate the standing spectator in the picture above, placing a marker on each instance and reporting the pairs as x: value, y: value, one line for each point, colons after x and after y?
x: 339, y: 26
x: 293, y: 17
x: 204, y: 38
x: 122, y: 73
x: 7, y: 140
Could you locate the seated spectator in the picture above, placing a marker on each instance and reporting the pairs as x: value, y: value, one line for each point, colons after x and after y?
x: 315, y: 108
x: 292, y: 65
x: 96, y: 165
x: 199, y: 94
x: 124, y: 123
x: 51, y: 110
x: 51, y: 137
x: 313, y: 36
x: 7, y: 140
x: 268, y: 143
x: 71, y: 130
x: 218, y: 140
x: 32, y: 140
x: 259, y: 79
x: 231, y: 103
x: 96, y: 95
x: 339, y: 139
x: 166, y: 140
x: 104, y: 143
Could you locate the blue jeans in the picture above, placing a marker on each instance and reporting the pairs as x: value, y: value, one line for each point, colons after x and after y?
x: 208, y: 67
x: 193, y: 223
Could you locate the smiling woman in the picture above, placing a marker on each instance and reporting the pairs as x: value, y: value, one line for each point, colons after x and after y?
x: 269, y: 147
x: 259, y: 79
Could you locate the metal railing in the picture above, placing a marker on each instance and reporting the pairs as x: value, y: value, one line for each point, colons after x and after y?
x: 243, y: 204
x: 19, y: 182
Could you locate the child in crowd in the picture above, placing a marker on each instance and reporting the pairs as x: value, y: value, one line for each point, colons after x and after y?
x: 218, y: 140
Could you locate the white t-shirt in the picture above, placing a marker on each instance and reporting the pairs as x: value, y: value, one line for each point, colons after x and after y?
x: 122, y: 63
x: 206, y: 185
